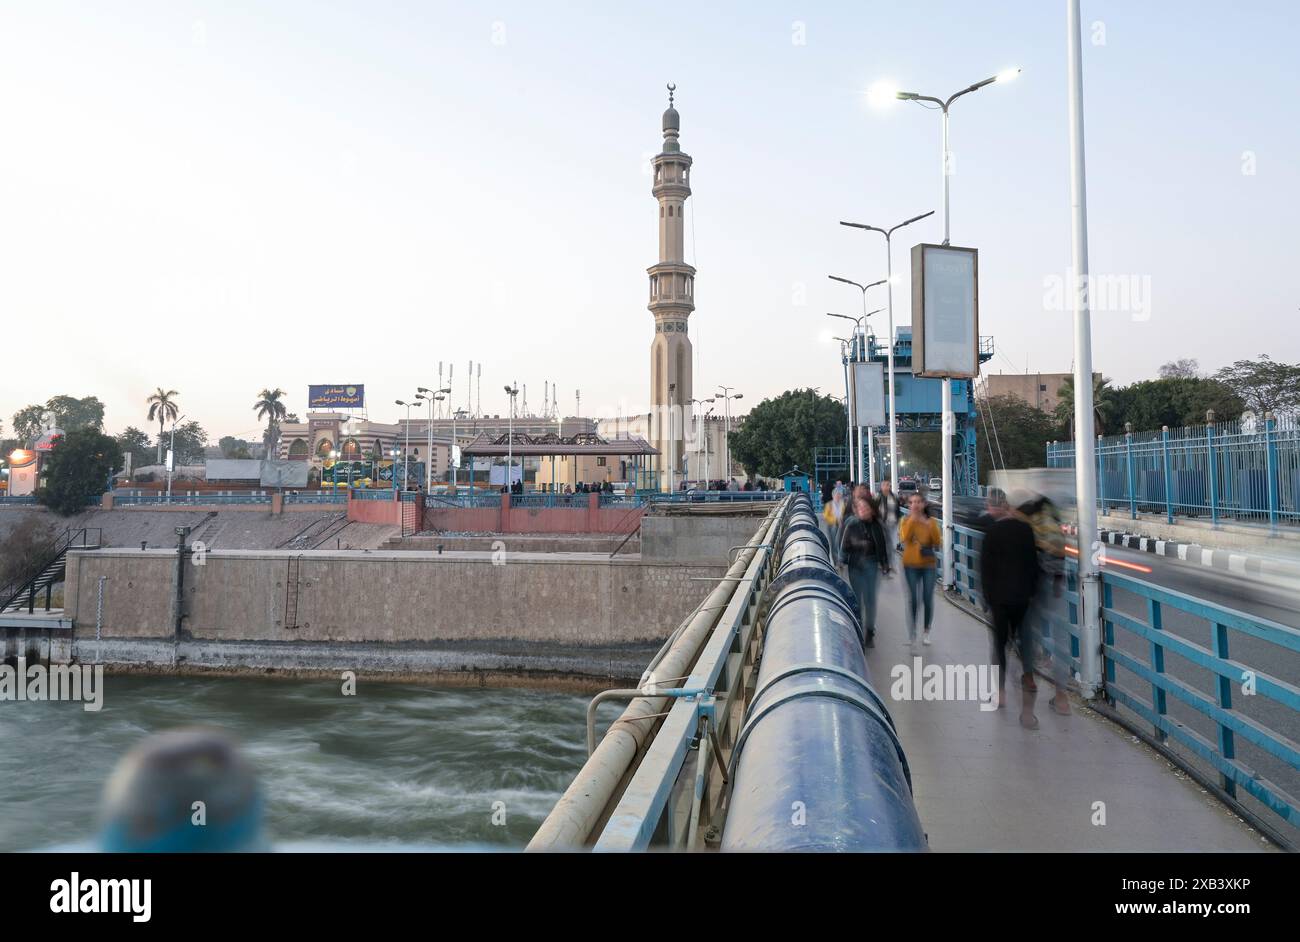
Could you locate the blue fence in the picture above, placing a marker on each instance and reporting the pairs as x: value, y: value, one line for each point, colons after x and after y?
x: 1137, y: 647
x: 1230, y: 470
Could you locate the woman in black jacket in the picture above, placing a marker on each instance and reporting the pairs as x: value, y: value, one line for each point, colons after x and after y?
x: 865, y: 552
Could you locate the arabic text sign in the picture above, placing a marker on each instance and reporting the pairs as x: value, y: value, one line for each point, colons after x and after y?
x: 336, y: 397
x: 945, y: 311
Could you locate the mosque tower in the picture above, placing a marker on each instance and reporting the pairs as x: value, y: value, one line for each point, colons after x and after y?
x: 672, y: 299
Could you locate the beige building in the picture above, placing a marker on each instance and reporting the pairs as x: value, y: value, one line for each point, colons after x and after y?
x: 1040, y: 390
x: 672, y: 299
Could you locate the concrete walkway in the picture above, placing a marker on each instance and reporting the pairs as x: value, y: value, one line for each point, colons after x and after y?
x: 983, y: 783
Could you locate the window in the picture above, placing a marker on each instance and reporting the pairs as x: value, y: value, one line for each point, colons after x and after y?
x: 1042, y: 387
x: 600, y: 462
x: 670, y: 211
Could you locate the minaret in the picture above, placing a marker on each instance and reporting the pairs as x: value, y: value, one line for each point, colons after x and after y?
x: 672, y: 299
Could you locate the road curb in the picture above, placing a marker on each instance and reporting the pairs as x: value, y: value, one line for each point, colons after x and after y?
x: 1245, y: 564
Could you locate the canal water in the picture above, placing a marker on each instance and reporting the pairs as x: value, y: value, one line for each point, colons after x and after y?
x: 394, y: 767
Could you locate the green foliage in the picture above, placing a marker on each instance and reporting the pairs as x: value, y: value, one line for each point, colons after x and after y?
x: 1017, y: 432
x: 191, y: 439
x: 72, y: 414
x: 1103, y: 406
x: 136, y: 443
x: 270, y: 406
x: 1263, y: 384
x: 232, y: 447
x: 78, y: 469
x: 783, y: 432
x: 1174, y: 401
x: 27, y: 424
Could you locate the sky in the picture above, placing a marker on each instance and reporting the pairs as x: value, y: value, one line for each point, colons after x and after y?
x: 221, y: 197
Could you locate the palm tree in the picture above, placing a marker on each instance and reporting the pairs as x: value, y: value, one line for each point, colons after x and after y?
x: 162, y: 406
x: 269, y: 407
x: 1103, y: 404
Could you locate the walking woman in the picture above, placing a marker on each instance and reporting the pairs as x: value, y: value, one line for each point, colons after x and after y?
x: 865, y: 552
x: 919, y: 534
x: 832, y: 516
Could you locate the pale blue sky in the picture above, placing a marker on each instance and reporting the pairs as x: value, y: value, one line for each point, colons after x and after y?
x: 217, y: 197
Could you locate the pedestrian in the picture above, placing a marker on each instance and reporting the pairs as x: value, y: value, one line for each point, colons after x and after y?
x: 1008, y: 581
x: 865, y: 551
x: 832, y: 517
x: 919, y: 535
x: 1047, y: 609
x: 890, y: 511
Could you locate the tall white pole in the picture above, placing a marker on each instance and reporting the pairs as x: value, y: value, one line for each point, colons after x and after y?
x: 947, y: 423
x: 893, y: 397
x: 1084, y: 443
x: 871, y: 459
x: 848, y: 415
x: 428, y: 457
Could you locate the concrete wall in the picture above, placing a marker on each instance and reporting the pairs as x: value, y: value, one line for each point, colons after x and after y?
x: 397, y: 597
x: 690, y: 538
x: 591, y: 518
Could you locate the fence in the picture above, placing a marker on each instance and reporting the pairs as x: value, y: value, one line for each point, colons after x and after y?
x: 1134, y: 657
x: 1247, y: 471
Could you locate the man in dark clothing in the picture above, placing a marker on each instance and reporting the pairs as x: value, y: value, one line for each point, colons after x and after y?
x: 1008, y: 580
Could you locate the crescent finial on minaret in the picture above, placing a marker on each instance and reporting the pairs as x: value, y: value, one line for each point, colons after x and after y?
x: 671, y: 88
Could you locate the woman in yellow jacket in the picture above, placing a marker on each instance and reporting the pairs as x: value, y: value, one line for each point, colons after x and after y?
x: 920, y: 537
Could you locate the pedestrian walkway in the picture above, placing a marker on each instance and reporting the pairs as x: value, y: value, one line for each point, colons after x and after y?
x: 981, y: 782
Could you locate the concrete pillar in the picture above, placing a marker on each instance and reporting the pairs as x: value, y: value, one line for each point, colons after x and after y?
x: 593, y: 512
x: 277, y: 504
x: 106, y: 501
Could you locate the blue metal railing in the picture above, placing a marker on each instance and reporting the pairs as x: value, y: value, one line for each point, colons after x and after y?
x: 1221, y: 624
x: 1242, y: 471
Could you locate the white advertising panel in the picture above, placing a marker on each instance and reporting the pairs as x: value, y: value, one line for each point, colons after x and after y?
x: 868, y: 392
x: 945, y: 311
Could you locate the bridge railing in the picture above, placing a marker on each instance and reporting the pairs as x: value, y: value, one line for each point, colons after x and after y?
x: 1148, y: 669
x: 1248, y: 472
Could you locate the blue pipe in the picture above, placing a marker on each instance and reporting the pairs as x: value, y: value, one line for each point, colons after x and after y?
x: 817, y: 765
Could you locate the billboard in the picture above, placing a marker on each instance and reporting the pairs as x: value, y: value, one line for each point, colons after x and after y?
x: 336, y: 397
x: 945, y: 311
x: 867, y: 387
x: 284, y: 473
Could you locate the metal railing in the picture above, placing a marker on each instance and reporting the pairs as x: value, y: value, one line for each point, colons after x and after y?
x: 1229, y: 470
x: 1154, y: 642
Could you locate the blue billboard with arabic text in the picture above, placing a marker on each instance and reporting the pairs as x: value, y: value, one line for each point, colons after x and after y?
x: 336, y: 397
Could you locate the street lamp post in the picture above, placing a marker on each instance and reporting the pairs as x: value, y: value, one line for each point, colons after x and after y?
x: 860, y: 355
x: 512, y: 392
x: 171, y: 459
x: 726, y: 397
x: 889, y: 280
x: 946, y: 399
x: 845, y: 347
x: 406, y: 446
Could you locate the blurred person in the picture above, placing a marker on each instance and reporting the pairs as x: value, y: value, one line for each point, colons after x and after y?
x: 864, y: 547
x: 1048, y: 606
x: 995, y: 508
x: 1009, y: 576
x: 832, y: 519
x: 920, y: 538
x: 183, y: 791
x: 890, y: 511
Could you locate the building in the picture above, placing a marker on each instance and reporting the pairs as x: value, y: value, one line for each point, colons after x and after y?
x: 1040, y: 390
x: 672, y: 299
x: 701, y: 451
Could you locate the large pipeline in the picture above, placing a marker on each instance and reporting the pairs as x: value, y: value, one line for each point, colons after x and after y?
x: 579, y: 810
x: 817, y: 765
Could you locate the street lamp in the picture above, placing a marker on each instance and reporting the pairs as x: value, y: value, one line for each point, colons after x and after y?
x: 846, y: 346
x: 512, y: 392
x: 406, y: 446
x: 430, y: 396
x: 944, y: 104
x: 726, y: 397
x: 889, y: 280
x: 171, y: 459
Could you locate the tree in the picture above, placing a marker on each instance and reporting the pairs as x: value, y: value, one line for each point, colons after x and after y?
x: 1264, y: 384
x: 78, y: 469
x: 1010, y: 433
x: 28, y: 423
x: 1174, y: 401
x: 136, y: 443
x: 162, y: 405
x: 1103, y: 405
x: 783, y: 432
x: 232, y: 447
x: 190, y: 441
x: 72, y: 414
x: 1181, y: 369
x: 270, y: 407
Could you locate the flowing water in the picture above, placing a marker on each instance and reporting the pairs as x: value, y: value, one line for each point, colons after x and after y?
x: 395, y: 766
